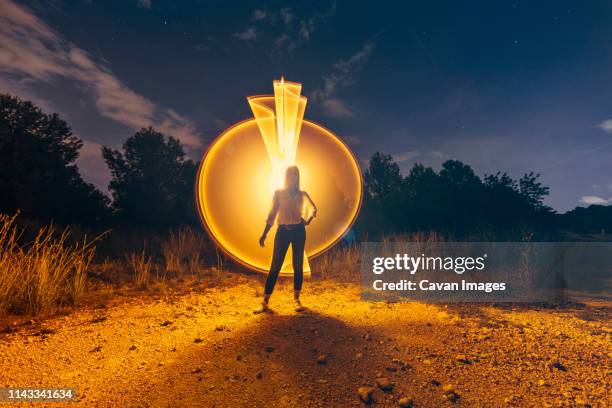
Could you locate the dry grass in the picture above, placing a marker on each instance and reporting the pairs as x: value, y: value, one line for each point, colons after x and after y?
x: 109, y: 270
x: 182, y: 252
x: 343, y: 261
x: 45, y: 273
x: 142, y: 267
x: 340, y: 263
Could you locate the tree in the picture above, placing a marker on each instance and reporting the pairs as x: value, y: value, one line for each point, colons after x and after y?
x: 533, y: 191
x: 383, y: 186
x: 152, y: 182
x: 454, y: 200
x: 38, y: 174
x: 424, y: 199
x: 592, y: 219
x: 383, y: 179
x: 459, y: 175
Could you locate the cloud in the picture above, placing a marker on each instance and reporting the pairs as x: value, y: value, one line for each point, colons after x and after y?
x: 21, y: 89
x: 249, y: 34
x: 297, y: 32
x: 588, y: 200
x: 352, y: 140
x: 439, y: 155
x: 337, y: 109
x: 281, y: 40
x: 606, y: 125
x: 146, y: 4
x: 406, y: 156
x: 343, y: 75
x: 306, y: 28
x: 31, y: 51
x: 286, y: 15
x: 310, y: 24
x: 259, y: 15
x: 413, y: 154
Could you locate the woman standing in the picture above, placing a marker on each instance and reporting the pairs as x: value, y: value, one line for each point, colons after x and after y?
x: 288, y: 204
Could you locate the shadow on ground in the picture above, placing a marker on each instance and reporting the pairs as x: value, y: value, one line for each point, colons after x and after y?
x: 275, y: 362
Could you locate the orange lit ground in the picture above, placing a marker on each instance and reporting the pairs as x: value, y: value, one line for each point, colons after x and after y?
x: 145, y: 351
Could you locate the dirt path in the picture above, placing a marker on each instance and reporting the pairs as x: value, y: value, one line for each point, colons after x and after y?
x: 207, y: 349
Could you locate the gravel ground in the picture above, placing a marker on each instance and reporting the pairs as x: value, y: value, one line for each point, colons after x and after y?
x: 206, y: 348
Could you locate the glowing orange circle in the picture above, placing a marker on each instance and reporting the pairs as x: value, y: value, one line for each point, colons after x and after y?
x: 234, y: 193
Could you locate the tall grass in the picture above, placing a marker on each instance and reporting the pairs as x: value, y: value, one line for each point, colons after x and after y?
x: 48, y: 272
x: 182, y: 251
x: 343, y: 261
x: 141, y: 265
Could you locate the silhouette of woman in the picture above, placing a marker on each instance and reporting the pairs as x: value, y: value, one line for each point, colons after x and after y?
x: 288, y: 204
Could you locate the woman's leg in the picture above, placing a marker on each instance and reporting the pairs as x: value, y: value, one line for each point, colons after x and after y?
x: 297, y: 248
x: 281, y: 244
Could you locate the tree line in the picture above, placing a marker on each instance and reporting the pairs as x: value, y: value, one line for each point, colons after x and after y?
x: 152, y: 183
x: 453, y: 200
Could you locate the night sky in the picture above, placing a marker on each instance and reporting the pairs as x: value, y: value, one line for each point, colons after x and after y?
x: 513, y: 86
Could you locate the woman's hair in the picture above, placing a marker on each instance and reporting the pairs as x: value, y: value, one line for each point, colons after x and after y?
x: 292, y: 169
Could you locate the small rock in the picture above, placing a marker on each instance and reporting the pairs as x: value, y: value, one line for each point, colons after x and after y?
x: 259, y: 374
x: 452, y: 397
x: 450, y: 394
x: 405, y: 402
x: 384, y: 384
x: 462, y: 358
x: 365, y: 394
x: 367, y: 337
x: 132, y: 347
x: 197, y: 340
x: 166, y: 323
x: 98, y: 319
x: 403, y: 364
x: 322, y: 359
x: 557, y: 364
x: 269, y: 349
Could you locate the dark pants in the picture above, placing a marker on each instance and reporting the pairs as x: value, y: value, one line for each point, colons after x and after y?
x: 285, y: 235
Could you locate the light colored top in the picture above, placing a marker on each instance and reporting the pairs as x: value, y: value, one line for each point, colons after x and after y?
x: 289, y: 207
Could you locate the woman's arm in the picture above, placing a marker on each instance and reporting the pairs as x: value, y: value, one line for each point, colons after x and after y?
x: 314, y: 209
x: 270, y: 220
x: 264, y: 234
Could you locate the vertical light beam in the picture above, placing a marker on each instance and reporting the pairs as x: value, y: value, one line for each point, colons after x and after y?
x: 279, y: 119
